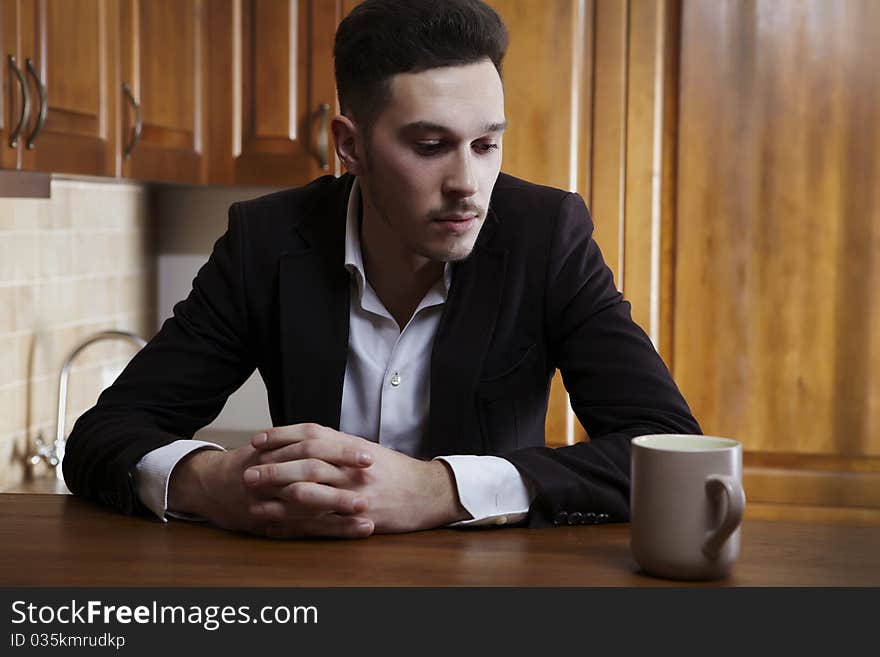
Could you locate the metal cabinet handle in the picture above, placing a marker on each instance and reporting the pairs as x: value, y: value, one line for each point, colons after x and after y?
x: 324, y: 136
x: 138, y: 124
x: 25, y: 104
x: 44, y: 105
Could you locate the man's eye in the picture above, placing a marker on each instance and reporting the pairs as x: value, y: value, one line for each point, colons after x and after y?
x: 486, y: 147
x: 428, y: 147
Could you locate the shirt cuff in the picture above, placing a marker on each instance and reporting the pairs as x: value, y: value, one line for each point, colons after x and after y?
x: 153, y: 473
x: 491, y: 489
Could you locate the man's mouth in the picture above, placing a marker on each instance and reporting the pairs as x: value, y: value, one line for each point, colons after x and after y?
x: 458, y: 217
x: 457, y: 222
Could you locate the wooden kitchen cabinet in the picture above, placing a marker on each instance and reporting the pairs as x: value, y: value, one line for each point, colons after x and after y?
x: 122, y: 88
x: 116, y: 87
x: 63, y: 51
x: 272, y: 91
x: 162, y: 90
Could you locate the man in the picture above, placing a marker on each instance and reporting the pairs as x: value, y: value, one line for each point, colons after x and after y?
x: 415, y: 308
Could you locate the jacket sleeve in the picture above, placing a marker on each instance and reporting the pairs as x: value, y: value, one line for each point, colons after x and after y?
x: 618, y: 385
x: 175, y: 385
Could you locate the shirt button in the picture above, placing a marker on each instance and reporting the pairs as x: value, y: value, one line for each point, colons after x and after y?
x: 395, y: 379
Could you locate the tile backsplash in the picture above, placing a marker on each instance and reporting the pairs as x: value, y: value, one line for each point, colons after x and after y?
x: 79, y: 262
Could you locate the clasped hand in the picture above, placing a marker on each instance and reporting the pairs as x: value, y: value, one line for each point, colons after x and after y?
x: 310, y: 480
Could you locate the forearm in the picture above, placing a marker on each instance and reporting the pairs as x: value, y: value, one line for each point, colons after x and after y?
x: 447, y: 507
x: 189, y: 489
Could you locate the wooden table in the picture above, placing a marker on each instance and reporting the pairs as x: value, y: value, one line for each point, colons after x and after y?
x: 59, y: 540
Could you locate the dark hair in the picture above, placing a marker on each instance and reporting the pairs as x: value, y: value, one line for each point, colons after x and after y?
x: 381, y: 38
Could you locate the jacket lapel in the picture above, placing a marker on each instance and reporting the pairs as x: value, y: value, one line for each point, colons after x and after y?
x: 314, y: 292
x: 461, y: 343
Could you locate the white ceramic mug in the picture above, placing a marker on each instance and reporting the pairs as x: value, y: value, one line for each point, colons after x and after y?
x: 686, y: 505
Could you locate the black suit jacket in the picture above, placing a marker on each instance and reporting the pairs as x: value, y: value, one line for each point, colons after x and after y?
x: 534, y: 295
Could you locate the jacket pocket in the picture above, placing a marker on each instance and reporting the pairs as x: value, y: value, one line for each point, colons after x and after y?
x: 510, y: 379
x: 497, y: 397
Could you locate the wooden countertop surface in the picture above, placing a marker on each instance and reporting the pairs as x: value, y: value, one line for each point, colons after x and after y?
x: 59, y: 540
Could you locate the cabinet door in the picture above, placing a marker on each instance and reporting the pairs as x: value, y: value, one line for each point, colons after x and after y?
x: 11, y: 83
x: 66, y: 59
x: 162, y: 91
x: 273, y: 91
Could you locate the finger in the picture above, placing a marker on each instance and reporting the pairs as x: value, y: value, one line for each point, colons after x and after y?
x: 310, y: 497
x: 281, y: 511
x: 288, y: 472
x: 342, y: 453
x: 328, y: 525
x: 292, y: 433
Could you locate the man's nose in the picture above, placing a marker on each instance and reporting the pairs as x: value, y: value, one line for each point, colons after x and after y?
x: 461, y: 179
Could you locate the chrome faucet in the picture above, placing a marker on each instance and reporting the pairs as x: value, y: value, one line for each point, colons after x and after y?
x: 53, y: 454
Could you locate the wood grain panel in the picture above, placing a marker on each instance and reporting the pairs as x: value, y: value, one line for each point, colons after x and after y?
x: 10, y: 98
x: 584, y: 57
x: 171, y: 138
x: 81, y: 544
x: 164, y: 60
x: 813, y: 462
x: 274, y: 79
x: 812, y: 514
x: 273, y: 74
x: 642, y: 143
x: 8, y: 47
x: 72, y: 47
x: 169, y: 49
x: 74, y: 58
x: 272, y: 70
x: 538, y: 85
x: 224, y: 120
x: 813, y: 488
x: 609, y: 129
x: 649, y: 171
x: 777, y: 319
x: 669, y: 180
x: 74, y: 123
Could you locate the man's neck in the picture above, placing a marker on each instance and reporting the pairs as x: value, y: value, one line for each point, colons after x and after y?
x: 400, y: 279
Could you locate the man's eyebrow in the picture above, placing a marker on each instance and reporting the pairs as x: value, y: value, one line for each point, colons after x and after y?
x: 428, y: 126
x: 495, y: 127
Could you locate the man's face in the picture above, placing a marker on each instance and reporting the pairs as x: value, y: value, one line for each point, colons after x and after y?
x: 432, y: 159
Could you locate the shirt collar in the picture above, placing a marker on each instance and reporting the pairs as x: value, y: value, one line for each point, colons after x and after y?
x: 354, y: 261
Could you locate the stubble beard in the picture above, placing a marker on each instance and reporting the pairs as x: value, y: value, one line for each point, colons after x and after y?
x: 456, y: 252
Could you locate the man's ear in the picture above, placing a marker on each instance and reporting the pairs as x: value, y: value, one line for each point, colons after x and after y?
x: 345, y: 135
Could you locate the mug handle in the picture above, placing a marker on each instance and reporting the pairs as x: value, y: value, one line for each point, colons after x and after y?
x: 736, y: 502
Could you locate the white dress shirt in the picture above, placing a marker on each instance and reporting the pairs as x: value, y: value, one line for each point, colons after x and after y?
x: 385, y: 399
